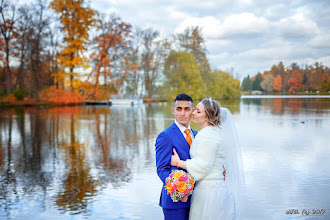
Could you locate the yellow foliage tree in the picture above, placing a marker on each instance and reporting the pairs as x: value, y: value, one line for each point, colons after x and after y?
x: 183, y: 76
x: 222, y: 85
x: 77, y: 21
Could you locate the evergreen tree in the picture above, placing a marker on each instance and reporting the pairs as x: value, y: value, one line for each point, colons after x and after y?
x: 247, y: 83
x: 256, y: 83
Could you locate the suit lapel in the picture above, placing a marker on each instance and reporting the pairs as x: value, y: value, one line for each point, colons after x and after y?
x: 179, y: 135
x: 194, y: 132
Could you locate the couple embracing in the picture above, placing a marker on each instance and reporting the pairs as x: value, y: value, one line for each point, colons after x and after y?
x: 211, y: 156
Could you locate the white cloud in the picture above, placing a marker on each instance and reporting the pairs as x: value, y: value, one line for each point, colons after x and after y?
x: 321, y: 41
x: 124, y: 2
x: 266, y: 53
x: 244, y: 24
x: 245, y: 2
x: 297, y: 26
x: 220, y: 56
x: 234, y: 25
x: 325, y: 61
x: 248, y: 35
x: 218, y: 43
x: 275, y: 10
x: 175, y: 14
x: 210, y: 25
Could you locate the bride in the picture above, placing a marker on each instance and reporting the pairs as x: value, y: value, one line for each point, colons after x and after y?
x: 214, y: 149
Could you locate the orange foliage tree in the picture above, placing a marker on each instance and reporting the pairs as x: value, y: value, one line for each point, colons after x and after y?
x: 277, y: 86
x: 77, y: 20
x: 325, y: 80
x: 111, y: 56
x: 295, y: 81
x: 295, y: 78
x: 60, y: 96
x: 318, y: 77
x: 101, y: 93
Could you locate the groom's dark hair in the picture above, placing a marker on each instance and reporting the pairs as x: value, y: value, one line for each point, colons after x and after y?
x: 183, y: 97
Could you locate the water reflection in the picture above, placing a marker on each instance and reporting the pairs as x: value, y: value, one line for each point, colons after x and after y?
x: 284, y: 145
x: 78, y: 185
x: 279, y: 106
x: 70, y: 152
x: 100, y: 161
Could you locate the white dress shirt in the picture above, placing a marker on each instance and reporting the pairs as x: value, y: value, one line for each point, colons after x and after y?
x: 183, y: 128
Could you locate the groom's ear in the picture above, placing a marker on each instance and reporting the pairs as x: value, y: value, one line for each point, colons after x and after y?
x: 173, y: 111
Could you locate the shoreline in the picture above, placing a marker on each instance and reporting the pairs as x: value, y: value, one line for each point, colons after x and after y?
x: 283, y: 96
x: 24, y: 104
x: 155, y: 100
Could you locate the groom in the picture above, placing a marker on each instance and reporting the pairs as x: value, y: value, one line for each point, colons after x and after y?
x: 175, y: 137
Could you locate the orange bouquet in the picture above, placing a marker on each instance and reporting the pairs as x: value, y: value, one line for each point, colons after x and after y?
x: 179, y: 184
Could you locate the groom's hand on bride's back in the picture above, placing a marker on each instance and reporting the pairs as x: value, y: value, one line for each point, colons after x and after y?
x: 184, y: 199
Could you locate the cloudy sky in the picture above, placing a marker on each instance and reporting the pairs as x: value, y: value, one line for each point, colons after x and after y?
x: 247, y: 35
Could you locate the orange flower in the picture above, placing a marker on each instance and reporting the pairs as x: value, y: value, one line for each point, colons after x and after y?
x: 182, y: 186
x: 192, y: 186
x: 169, y: 188
x: 177, y: 175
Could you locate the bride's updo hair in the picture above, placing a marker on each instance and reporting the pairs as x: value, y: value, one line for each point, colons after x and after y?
x: 212, y: 111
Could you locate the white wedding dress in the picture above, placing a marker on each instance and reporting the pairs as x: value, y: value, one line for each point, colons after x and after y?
x: 211, y: 197
x: 213, y: 149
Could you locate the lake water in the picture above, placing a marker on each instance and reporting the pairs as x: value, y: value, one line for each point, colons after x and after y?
x: 98, y: 162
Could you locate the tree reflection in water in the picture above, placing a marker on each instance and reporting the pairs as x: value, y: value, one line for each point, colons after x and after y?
x: 280, y: 106
x: 66, y: 153
x: 78, y: 185
x: 100, y: 161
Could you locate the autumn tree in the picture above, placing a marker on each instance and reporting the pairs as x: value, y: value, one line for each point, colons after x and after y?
x: 325, y: 79
x: 192, y: 41
x: 183, y: 76
x: 315, y: 75
x: 275, y: 70
x: 2, y: 78
x: 277, y: 86
x: 295, y: 81
x: 111, y: 49
x: 38, y: 44
x: 297, y: 78
x: 153, y: 52
x: 135, y: 78
x: 8, y: 20
x: 53, y: 48
x: 281, y: 70
x: 267, y: 83
x: 77, y: 19
x: 22, y: 44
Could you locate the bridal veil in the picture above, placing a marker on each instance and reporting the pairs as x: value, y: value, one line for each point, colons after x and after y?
x: 234, y: 163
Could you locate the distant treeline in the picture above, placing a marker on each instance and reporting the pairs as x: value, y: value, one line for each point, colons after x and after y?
x: 290, y: 79
x: 66, y: 52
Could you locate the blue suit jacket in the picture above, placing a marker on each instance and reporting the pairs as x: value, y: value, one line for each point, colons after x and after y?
x: 167, y: 140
